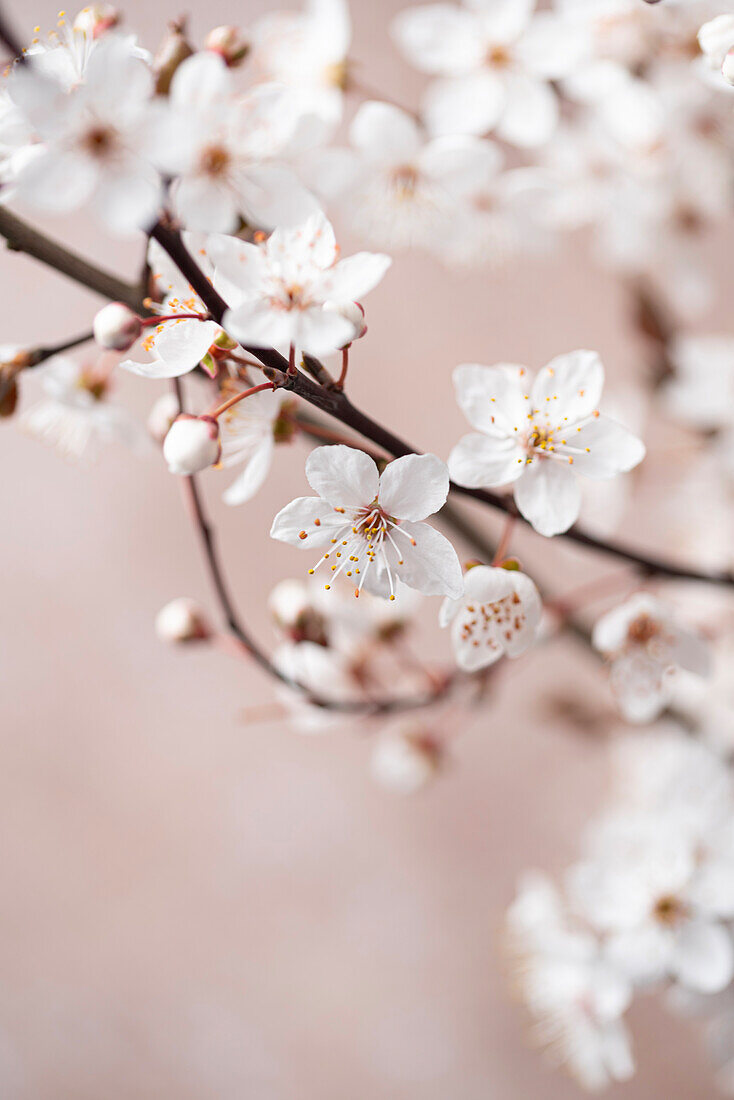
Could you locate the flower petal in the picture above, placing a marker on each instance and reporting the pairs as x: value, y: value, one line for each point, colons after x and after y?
x: 383, y: 132
x: 301, y: 515
x: 253, y: 475
x: 492, y: 398
x: 548, y: 495
x: 703, y: 957
x: 572, y: 384
x: 469, y: 104
x: 478, y: 461
x: 603, y: 448
x: 351, y: 279
x: 431, y: 566
x: 530, y: 114
x: 414, y: 487
x: 343, y: 476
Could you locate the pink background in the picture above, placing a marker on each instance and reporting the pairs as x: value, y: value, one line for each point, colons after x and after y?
x: 199, y: 906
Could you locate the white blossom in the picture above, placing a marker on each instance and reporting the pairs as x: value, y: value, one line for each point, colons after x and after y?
x: 494, y: 60
x: 370, y: 525
x: 645, y: 645
x: 116, y: 327
x: 575, y: 995
x: 221, y: 148
x: 76, y: 417
x: 539, y: 441
x: 406, y: 759
x: 701, y: 392
x: 498, y: 614
x: 278, y: 290
x: 92, y: 150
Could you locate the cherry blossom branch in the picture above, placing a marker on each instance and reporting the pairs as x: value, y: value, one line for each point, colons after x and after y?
x: 22, y: 237
x: 336, y: 404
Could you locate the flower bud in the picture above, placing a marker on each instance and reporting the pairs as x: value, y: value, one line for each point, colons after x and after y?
x: 352, y: 312
x: 95, y: 19
x: 162, y: 416
x: 181, y: 620
x: 116, y: 327
x: 404, y: 762
x: 172, y: 52
x: 288, y: 601
x: 229, y: 43
x: 727, y: 68
x: 192, y: 444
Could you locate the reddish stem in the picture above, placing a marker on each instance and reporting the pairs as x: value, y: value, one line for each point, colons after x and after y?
x: 241, y: 397
x: 345, y: 367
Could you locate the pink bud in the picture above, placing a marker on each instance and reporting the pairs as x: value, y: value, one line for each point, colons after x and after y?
x: 192, y: 444
x: 352, y: 312
x: 116, y: 327
x: 229, y: 43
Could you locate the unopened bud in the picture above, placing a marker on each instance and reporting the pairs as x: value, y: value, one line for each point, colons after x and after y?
x: 192, y: 444
x: 172, y: 52
x: 352, y: 312
x: 162, y: 416
x: 229, y: 43
x: 727, y: 69
x: 405, y: 762
x: 116, y: 327
x: 181, y: 620
x: 288, y: 601
x: 95, y: 19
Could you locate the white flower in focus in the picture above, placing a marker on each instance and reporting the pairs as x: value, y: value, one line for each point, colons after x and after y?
x: 539, y: 441
x: 76, y: 416
x: 192, y: 445
x: 701, y: 392
x: 660, y: 895
x: 406, y: 759
x: 178, y: 345
x: 181, y: 620
x: 498, y: 614
x: 278, y: 290
x: 246, y: 433
x: 494, y: 60
x: 221, y: 149
x: 92, y: 151
x: 370, y: 524
x: 575, y: 996
x: 65, y: 53
x: 397, y: 188
x: 307, y: 51
x: 645, y: 645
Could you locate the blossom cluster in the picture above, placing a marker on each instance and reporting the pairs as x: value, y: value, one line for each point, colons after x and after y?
x: 242, y: 165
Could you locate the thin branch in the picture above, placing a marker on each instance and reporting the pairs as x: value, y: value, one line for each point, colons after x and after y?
x: 22, y: 237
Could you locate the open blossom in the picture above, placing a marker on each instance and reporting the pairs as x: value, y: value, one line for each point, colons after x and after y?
x: 494, y: 60
x: 539, y: 441
x: 221, y: 147
x: 248, y: 440
x: 76, y: 416
x: 498, y: 614
x: 397, y: 187
x: 92, y: 139
x: 278, y: 290
x: 660, y: 894
x: 177, y: 345
x: 575, y: 995
x: 307, y: 51
x: 645, y: 646
x: 370, y: 525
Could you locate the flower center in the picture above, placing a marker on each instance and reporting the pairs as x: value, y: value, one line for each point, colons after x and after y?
x: 215, y: 160
x: 669, y: 911
x: 642, y: 630
x: 99, y: 141
x: 404, y: 180
x: 498, y: 57
x: 490, y: 622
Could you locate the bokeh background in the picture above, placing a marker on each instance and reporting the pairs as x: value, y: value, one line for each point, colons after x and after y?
x: 196, y: 900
